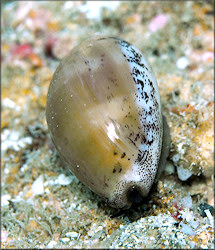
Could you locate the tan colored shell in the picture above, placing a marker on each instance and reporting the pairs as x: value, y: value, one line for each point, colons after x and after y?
x: 104, y: 116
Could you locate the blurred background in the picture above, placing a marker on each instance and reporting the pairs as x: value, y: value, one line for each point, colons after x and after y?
x: 43, y: 206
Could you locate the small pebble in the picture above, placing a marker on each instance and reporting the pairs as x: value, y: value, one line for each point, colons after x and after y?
x: 24, y: 167
x: 37, y: 186
x: 157, y: 224
x: 182, y: 63
x: 194, y: 224
x: 158, y: 22
x: 51, y: 244
x: 4, y: 199
x: 187, y: 229
x: 65, y: 240
x: 187, y: 201
x: 210, y: 217
x: 64, y: 180
x: 11, y: 139
x: 183, y: 174
x: 209, y: 55
x: 8, y: 103
x: 93, y: 9
x: 72, y: 234
x: 3, y: 236
x: 169, y: 168
x: 91, y: 233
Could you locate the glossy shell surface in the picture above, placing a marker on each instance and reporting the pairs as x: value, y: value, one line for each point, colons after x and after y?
x: 104, y: 116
